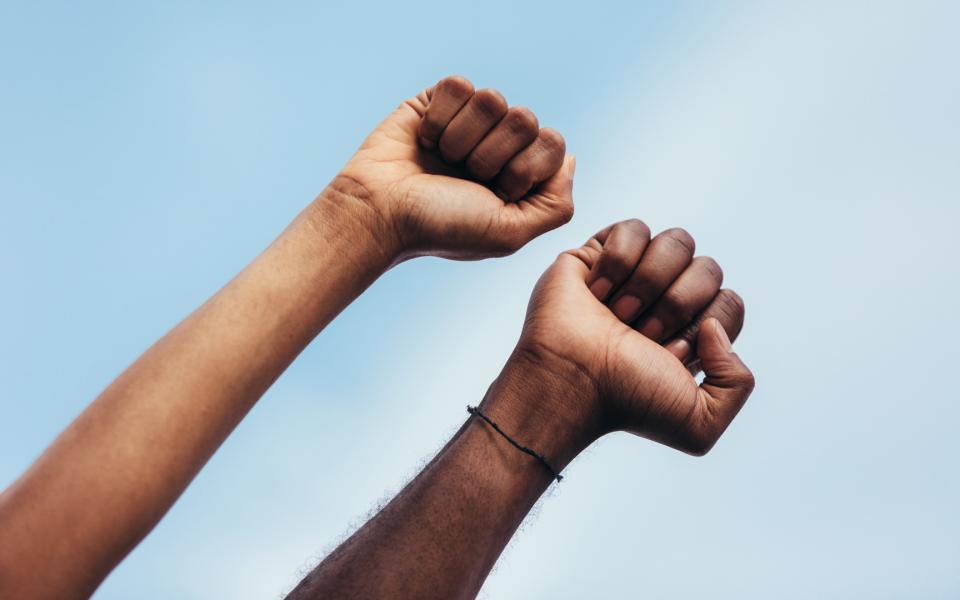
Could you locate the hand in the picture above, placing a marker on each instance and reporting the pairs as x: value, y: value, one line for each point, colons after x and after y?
x: 454, y: 172
x: 626, y: 322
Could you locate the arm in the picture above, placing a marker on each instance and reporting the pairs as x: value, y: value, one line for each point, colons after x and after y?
x: 441, y: 535
x: 112, y: 474
x: 579, y: 372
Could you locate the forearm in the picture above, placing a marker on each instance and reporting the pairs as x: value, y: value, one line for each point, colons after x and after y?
x: 442, y: 534
x: 111, y: 475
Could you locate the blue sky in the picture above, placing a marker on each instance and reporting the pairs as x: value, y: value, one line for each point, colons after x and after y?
x: 147, y: 152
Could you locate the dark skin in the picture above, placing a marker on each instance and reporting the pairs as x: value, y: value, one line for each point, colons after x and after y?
x: 453, y: 172
x: 111, y: 475
x: 587, y: 363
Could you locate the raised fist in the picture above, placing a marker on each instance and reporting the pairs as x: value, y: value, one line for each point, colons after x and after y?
x: 625, y: 322
x: 458, y: 173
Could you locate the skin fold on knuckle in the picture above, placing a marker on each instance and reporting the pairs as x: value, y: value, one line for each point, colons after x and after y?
x: 455, y: 86
x: 680, y: 239
x: 490, y: 103
x: 711, y: 267
x: 552, y: 141
x: 521, y: 122
x: 550, y: 158
x: 637, y: 228
x: 731, y: 310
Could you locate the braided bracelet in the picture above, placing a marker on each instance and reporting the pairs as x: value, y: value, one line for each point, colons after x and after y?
x: 474, y: 410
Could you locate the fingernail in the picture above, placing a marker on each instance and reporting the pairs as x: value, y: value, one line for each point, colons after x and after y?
x: 653, y: 328
x: 573, y: 165
x: 601, y: 287
x: 679, y: 348
x: 626, y: 307
x: 722, y: 337
x: 426, y: 143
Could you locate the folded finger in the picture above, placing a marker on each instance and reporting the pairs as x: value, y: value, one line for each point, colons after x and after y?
x: 477, y: 117
x: 689, y: 294
x: 534, y: 164
x: 726, y: 307
x: 623, y: 245
x: 517, y: 130
x: 665, y: 259
x: 445, y: 101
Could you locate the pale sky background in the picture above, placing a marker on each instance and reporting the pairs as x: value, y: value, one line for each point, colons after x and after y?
x: 148, y: 152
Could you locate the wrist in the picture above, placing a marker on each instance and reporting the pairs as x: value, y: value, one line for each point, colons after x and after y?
x: 345, y: 209
x: 548, y: 408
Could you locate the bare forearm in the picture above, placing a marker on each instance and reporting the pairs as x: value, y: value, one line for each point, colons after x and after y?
x: 578, y: 372
x: 442, y: 534
x: 111, y: 474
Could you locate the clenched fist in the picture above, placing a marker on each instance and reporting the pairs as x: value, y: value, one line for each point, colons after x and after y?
x: 458, y: 173
x: 615, y: 333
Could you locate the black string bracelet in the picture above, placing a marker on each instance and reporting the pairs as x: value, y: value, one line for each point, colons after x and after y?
x: 475, y: 410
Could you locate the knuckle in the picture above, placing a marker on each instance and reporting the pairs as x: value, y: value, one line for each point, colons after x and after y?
x: 552, y: 141
x: 637, y: 226
x: 711, y: 266
x: 618, y: 229
x: 682, y: 238
x: 456, y: 86
x: 731, y: 305
x: 490, y: 102
x: 521, y: 119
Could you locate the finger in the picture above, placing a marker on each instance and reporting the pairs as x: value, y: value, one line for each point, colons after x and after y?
x: 727, y: 386
x: 689, y: 294
x: 534, y: 164
x: 623, y: 245
x: 517, y: 130
x: 467, y: 128
x: 550, y: 208
x: 665, y: 259
x: 446, y: 100
x: 728, y: 308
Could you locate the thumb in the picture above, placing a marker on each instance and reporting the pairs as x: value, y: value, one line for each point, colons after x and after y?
x: 405, y: 119
x: 551, y: 205
x: 728, y: 381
